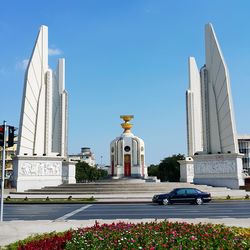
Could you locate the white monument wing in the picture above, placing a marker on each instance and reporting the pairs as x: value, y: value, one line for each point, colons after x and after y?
x: 220, y: 117
x: 32, y: 121
x: 194, y: 115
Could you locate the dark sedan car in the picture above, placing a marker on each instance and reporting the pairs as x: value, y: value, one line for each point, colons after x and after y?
x: 183, y: 195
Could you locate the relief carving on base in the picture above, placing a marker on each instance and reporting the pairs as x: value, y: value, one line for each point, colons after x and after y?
x: 215, y: 167
x: 40, y: 169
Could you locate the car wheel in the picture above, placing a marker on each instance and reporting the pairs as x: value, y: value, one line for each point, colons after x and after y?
x: 199, y: 201
x: 165, y: 201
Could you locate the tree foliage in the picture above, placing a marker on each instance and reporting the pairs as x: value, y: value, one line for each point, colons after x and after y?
x: 86, y: 173
x: 153, y: 170
x: 168, y: 169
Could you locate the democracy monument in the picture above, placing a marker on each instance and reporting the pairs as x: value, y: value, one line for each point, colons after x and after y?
x: 213, y: 154
x: 42, y: 141
x: 127, y: 153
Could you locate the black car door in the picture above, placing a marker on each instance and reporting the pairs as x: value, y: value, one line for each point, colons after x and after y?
x: 179, y: 196
x: 191, y: 195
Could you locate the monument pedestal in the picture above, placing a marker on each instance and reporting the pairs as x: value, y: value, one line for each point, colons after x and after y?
x: 135, y: 172
x: 34, y: 172
x: 68, y: 172
x: 186, y: 170
x: 221, y: 170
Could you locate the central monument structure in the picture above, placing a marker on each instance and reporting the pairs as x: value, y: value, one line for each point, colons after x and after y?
x: 127, y: 153
x: 42, y: 144
x: 213, y: 154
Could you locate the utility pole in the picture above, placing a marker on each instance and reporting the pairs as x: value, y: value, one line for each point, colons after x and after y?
x: 3, y: 168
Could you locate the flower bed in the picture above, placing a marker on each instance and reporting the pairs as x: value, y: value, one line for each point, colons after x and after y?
x: 153, y: 235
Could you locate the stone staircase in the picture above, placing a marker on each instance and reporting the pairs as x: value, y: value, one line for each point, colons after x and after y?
x: 127, y: 188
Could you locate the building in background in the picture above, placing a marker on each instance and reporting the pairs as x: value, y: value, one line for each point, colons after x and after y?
x: 85, y: 156
x: 244, y: 148
x: 10, y: 153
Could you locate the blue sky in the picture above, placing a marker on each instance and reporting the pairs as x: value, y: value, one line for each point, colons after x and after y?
x: 125, y: 57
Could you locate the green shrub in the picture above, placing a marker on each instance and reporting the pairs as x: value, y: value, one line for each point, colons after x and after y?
x: 148, y: 236
x: 164, y: 235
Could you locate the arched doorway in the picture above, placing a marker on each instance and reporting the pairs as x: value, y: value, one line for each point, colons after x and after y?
x: 127, y: 165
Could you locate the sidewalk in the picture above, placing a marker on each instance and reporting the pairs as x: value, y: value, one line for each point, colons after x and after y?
x: 12, y: 231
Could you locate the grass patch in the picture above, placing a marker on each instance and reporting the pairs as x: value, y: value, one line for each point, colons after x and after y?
x: 48, y: 200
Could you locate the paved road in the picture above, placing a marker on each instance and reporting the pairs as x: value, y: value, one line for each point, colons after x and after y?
x: 59, y: 212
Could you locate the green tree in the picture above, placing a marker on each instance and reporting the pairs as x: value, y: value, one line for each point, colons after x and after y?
x: 153, y: 170
x: 169, y: 168
x: 85, y: 173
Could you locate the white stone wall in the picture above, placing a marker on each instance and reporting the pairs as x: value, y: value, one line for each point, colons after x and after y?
x: 186, y: 170
x: 68, y: 172
x: 37, y: 172
x: 219, y: 170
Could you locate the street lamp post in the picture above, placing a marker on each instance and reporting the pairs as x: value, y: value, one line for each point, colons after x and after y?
x: 3, y: 170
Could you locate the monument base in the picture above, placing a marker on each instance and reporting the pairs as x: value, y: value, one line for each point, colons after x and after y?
x: 135, y: 172
x: 221, y: 170
x: 186, y: 170
x: 68, y: 172
x: 35, y: 172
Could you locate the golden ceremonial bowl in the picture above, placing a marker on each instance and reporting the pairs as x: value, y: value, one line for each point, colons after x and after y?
x: 127, y: 126
x: 127, y: 118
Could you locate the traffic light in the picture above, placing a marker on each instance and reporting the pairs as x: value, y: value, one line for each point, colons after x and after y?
x: 1, y: 135
x: 11, y: 136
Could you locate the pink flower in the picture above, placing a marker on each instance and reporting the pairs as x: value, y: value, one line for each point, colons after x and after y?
x: 193, y: 237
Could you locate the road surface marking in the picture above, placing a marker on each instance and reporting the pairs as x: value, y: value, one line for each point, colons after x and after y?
x: 66, y: 216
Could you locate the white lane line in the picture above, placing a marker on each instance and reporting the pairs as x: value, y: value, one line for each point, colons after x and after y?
x: 66, y: 216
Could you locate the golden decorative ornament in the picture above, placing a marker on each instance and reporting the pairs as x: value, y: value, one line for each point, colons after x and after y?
x: 126, y: 125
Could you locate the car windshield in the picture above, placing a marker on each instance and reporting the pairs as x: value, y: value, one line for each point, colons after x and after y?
x: 173, y: 191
